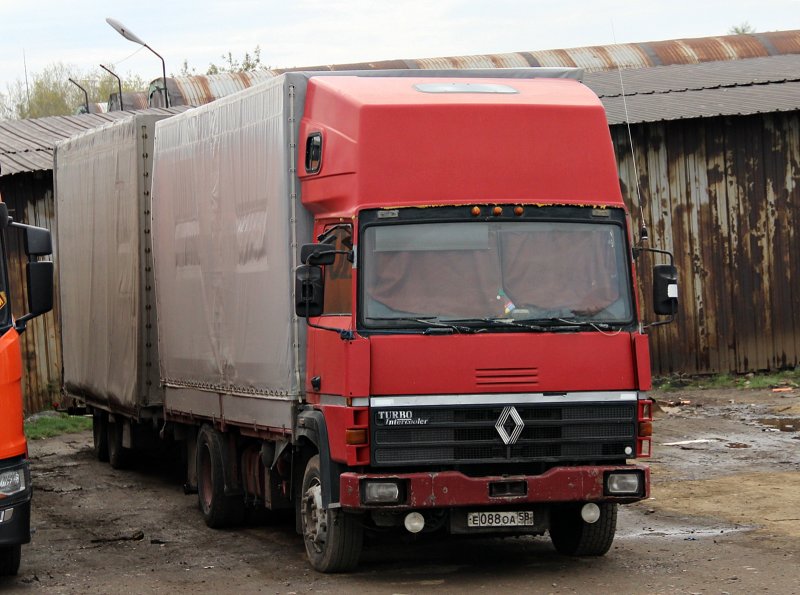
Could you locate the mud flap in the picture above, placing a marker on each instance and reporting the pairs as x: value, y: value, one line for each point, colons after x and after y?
x: 311, y: 424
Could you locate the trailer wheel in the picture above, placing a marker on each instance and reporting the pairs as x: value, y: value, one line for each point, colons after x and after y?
x: 219, y: 510
x: 9, y: 559
x: 572, y: 536
x: 118, y: 456
x: 333, y: 538
x: 100, y: 435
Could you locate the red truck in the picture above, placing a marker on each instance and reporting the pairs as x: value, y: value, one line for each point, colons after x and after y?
x: 15, y: 475
x: 386, y: 300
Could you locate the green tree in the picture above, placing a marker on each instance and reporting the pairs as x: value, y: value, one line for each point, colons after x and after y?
x: 744, y: 28
x: 50, y: 93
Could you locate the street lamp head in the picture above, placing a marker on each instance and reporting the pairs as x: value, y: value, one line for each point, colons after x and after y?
x: 124, y: 31
x: 130, y: 36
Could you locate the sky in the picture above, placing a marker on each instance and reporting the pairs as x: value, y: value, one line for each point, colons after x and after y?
x: 315, y: 32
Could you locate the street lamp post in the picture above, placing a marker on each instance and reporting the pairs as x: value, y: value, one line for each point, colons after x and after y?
x: 85, y: 94
x: 119, y: 86
x: 130, y: 36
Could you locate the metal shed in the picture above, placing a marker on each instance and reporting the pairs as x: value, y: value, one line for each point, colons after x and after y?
x: 717, y: 153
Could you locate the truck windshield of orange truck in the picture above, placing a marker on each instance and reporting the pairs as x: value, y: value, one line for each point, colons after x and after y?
x: 557, y: 273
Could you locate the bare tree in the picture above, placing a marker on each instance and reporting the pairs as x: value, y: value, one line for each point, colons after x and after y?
x: 250, y: 62
x: 744, y: 28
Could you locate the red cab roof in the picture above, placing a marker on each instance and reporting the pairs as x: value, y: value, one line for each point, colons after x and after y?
x: 401, y: 141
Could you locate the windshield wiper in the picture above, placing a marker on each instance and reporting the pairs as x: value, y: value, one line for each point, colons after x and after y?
x: 567, y: 324
x: 432, y: 323
x: 498, y: 323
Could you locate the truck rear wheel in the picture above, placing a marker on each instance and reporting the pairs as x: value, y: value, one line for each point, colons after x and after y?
x: 572, y: 536
x: 118, y: 455
x: 10, y: 557
x: 333, y: 538
x: 219, y: 510
x: 100, y: 435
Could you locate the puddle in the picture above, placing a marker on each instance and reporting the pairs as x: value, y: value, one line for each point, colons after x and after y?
x: 635, y: 523
x: 782, y: 424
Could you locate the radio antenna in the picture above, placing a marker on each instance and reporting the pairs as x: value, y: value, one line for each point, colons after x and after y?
x: 643, y: 234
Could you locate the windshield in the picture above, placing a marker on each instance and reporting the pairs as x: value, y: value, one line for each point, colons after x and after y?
x: 540, y: 271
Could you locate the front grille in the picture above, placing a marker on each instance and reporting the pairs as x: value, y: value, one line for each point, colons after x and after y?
x: 464, y: 434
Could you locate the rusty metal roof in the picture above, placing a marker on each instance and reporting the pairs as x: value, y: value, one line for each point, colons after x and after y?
x: 741, y: 87
x: 705, y: 103
x: 202, y: 89
x: 130, y: 101
x: 27, y: 145
x: 198, y: 90
x: 608, y: 57
x: 709, y: 76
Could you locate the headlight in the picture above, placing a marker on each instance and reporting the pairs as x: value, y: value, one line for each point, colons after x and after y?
x: 618, y: 484
x: 12, y: 482
x: 383, y: 492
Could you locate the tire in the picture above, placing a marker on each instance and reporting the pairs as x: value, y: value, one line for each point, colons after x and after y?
x: 219, y: 510
x: 100, y: 435
x: 10, y: 557
x: 572, y: 536
x: 333, y: 538
x: 118, y: 456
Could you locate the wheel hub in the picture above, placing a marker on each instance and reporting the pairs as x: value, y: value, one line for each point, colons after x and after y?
x: 315, y: 526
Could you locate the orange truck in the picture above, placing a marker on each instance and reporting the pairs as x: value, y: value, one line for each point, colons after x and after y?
x: 15, y: 475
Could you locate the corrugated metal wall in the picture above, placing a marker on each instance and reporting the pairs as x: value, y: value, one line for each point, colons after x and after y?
x: 724, y: 195
x: 30, y: 200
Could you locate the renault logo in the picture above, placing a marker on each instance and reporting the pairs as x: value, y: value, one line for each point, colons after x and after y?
x: 507, y: 417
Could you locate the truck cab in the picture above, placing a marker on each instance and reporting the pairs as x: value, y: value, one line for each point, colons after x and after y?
x: 475, y: 342
x: 15, y: 475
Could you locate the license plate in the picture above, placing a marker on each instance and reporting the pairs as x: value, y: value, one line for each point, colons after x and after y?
x: 520, y: 518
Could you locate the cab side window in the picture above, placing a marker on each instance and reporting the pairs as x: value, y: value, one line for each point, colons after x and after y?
x: 339, y: 275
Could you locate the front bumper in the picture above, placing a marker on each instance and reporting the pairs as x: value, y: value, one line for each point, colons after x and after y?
x: 448, y: 489
x: 15, y: 510
x: 15, y: 526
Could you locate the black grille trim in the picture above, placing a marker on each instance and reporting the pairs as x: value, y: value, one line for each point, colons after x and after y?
x: 466, y: 434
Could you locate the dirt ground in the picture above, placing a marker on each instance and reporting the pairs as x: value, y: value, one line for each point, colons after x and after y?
x: 724, y: 518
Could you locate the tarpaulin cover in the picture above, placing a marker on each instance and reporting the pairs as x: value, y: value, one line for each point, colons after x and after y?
x: 223, y: 232
x: 98, y: 238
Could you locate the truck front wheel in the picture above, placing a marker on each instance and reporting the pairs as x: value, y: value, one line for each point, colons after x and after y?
x: 9, y: 559
x: 572, y: 536
x: 333, y: 538
x: 219, y: 510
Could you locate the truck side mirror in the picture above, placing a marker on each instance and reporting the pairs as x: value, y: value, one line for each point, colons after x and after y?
x: 39, y: 274
x: 38, y: 241
x: 318, y: 254
x: 665, y: 289
x: 3, y: 216
x: 309, y: 290
x: 40, y: 287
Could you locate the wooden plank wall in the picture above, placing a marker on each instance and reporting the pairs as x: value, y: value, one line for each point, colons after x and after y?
x: 724, y: 195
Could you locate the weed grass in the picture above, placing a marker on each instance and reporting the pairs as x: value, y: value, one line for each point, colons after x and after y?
x: 761, y: 380
x: 47, y: 426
